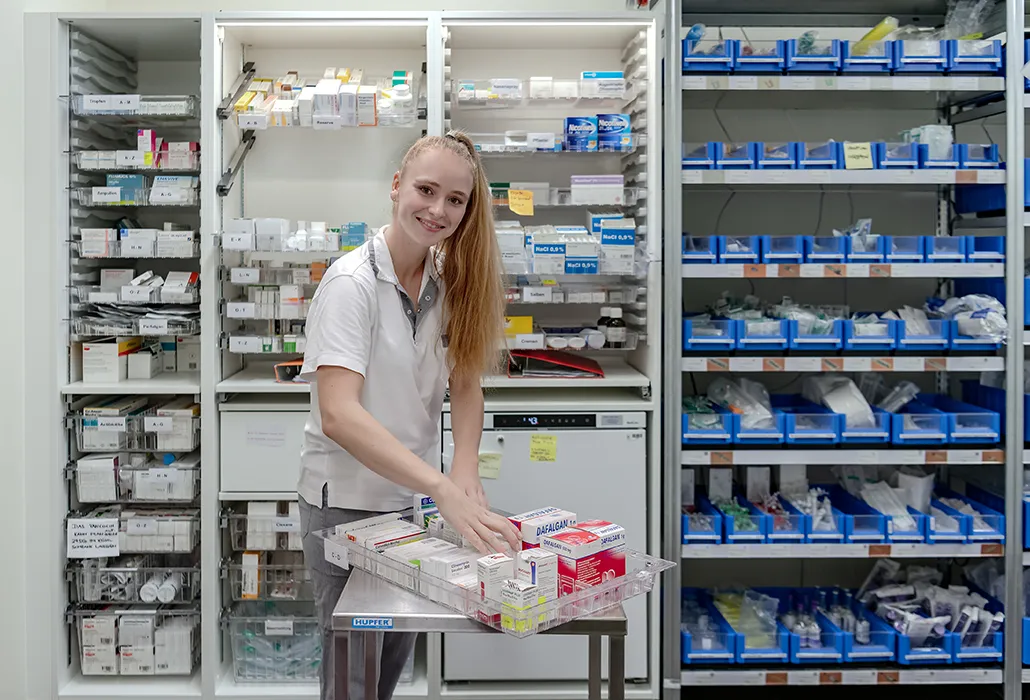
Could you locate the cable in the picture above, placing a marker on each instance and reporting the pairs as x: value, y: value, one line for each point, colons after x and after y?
x: 718, y: 219
x: 819, y: 218
x: 986, y: 132
x: 718, y: 119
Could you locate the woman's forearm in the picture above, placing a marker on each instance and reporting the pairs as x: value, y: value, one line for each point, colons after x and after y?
x: 355, y: 430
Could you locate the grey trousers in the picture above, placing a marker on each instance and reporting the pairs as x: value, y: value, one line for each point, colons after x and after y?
x: 394, y: 647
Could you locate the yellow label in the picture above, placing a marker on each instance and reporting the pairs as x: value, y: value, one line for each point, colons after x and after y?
x: 489, y: 465
x: 543, y: 448
x: 518, y: 325
x: 148, y: 158
x: 858, y: 156
x: 549, y: 283
x: 521, y: 202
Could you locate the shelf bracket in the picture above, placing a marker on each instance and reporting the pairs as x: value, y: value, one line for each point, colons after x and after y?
x: 236, y: 163
x: 239, y: 87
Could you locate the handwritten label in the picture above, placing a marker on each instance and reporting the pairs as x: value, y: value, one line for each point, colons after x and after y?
x: 284, y: 523
x: 107, y: 194
x: 336, y: 554
x: 253, y: 121
x: 153, y: 326
x: 240, y: 309
x: 489, y: 465
x: 330, y: 121
x: 92, y: 537
x: 278, y: 628
x: 858, y: 156
x: 110, y: 424
x: 543, y: 448
x: 133, y: 159
x: 521, y: 202
x: 157, y: 424
x: 245, y: 275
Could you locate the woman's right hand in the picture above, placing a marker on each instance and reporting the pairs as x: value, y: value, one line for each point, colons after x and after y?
x: 478, y: 525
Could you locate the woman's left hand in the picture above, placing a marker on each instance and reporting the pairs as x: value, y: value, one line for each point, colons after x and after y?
x: 466, y: 477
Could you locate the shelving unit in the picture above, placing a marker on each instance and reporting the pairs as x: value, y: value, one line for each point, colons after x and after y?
x: 738, y: 202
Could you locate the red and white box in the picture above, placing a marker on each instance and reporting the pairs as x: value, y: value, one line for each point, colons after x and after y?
x: 492, y: 571
x: 541, y: 522
x: 146, y: 140
x: 588, y: 554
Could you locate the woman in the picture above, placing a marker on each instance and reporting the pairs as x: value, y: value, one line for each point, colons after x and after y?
x: 391, y: 323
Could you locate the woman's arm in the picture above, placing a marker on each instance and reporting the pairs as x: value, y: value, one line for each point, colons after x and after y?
x: 467, y: 427
x: 346, y: 422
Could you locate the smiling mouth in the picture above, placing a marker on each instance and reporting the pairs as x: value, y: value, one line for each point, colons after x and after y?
x: 430, y: 225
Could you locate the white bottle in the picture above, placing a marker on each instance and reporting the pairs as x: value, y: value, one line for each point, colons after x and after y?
x: 317, y: 236
x: 404, y: 104
x: 300, y: 239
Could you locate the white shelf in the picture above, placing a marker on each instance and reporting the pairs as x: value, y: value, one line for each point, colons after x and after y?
x: 293, y: 256
x: 170, y: 383
x: 851, y: 83
x: 617, y: 373
x: 843, y: 271
x: 259, y: 379
x: 132, y: 687
x: 842, y: 177
x: 839, y: 551
x: 727, y: 457
x: 898, y: 363
x: 257, y: 495
x: 846, y: 676
x: 228, y: 688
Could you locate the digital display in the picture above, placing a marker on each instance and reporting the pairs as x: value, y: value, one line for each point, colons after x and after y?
x: 545, y: 420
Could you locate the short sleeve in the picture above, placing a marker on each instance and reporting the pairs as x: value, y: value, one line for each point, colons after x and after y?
x: 339, y: 326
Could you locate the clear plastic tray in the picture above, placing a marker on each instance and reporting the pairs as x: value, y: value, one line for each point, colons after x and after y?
x: 274, y: 642
x: 88, y: 327
x: 145, y: 432
x: 136, y: 161
x: 264, y: 533
x: 272, y: 581
x: 641, y: 573
x: 136, y: 196
x: 127, y: 484
x: 570, y: 197
x: 165, y: 642
x: 125, y: 581
x: 170, y: 106
x: 137, y: 249
x: 129, y: 294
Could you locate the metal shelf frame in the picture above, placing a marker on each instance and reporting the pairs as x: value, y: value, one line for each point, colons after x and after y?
x: 1009, y: 18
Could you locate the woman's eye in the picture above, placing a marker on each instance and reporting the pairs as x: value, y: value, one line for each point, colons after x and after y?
x: 425, y: 189
x: 456, y: 202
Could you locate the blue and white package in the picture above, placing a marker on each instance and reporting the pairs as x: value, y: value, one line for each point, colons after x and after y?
x: 613, y: 132
x: 581, y: 133
x: 548, y: 255
x: 594, y: 219
x: 618, y: 244
x: 602, y: 83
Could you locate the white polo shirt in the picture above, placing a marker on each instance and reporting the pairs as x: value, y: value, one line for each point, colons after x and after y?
x: 361, y: 319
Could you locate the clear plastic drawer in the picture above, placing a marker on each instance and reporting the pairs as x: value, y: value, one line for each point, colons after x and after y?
x: 274, y: 642
x: 134, y: 483
x: 120, y: 641
x: 278, y: 530
x: 136, y: 196
x: 136, y: 579
x: 281, y: 577
x: 172, y: 106
x: 146, y: 432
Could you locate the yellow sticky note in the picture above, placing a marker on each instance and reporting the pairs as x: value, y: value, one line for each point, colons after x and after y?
x: 858, y: 156
x: 489, y: 465
x: 148, y: 158
x: 543, y: 448
x: 549, y: 282
x: 521, y: 202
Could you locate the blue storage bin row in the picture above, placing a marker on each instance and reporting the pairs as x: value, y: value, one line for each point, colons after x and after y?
x: 720, y: 335
x: 841, y: 56
x: 982, y: 199
x: 725, y: 645
x: 854, y: 520
x: 829, y: 155
x: 710, y: 250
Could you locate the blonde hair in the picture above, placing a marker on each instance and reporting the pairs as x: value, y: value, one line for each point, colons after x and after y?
x: 471, y: 269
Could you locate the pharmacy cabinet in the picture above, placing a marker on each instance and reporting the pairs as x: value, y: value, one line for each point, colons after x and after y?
x: 260, y: 440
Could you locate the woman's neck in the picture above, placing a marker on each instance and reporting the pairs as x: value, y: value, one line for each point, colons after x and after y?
x: 408, y: 257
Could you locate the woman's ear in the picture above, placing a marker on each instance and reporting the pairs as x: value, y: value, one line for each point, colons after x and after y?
x: 395, y: 187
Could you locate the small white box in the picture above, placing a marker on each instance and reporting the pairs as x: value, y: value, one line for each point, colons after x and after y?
x: 491, y: 572
x: 368, y: 108
x: 167, y: 353
x: 145, y: 363
x: 326, y: 97
x: 540, y: 568
x: 99, y: 631
x: 99, y: 661
x: 187, y: 353
x: 348, y: 104
x: 137, y: 661
x: 107, y: 360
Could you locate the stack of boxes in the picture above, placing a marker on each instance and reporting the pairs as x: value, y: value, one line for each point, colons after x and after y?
x: 279, y: 235
x: 102, y: 478
x: 137, y: 642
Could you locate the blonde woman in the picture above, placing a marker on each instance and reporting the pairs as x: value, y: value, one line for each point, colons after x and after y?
x: 419, y: 305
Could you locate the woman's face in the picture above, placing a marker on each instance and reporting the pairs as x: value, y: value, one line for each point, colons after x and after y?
x: 432, y: 195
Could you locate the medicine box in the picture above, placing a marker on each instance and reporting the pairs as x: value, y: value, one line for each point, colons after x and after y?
x: 187, y: 353
x: 587, y: 557
x: 106, y: 359
x: 539, y: 568
x: 618, y: 246
x: 145, y: 363
x: 614, y: 132
x: 581, y: 133
x: 602, y: 84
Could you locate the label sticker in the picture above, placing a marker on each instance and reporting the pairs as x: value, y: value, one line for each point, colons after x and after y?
x: 92, y: 537
x: 543, y: 448
x: 278, y: 628
x: 373, y: 623
x: 521, y: 202
x: 157, y: 424
x: 336, y: 553
x: 858, y: 156
x: 489, y: 465
x: 245, y: 275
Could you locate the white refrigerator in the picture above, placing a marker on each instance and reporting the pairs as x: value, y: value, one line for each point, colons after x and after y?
x: 593, y: 464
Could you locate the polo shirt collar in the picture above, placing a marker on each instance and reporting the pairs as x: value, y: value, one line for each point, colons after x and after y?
x: 382, y: 262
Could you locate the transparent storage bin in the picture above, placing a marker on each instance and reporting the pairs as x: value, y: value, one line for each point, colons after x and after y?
x: 136, y: 196
x: 266, y: 580
x: 143, y: 579
x: 515, y: 144
x: 274, y: 642
x: 185, y: 246
x: 131, y: 484
x: 130, y: 294
x: 158, y: 531
x: 141, y: 432
x: 117, y: 641
x: 575, y: 197
x: 132, y: 160
x: 263, y: 533
x: 174, y: 106
x: 89, y: 327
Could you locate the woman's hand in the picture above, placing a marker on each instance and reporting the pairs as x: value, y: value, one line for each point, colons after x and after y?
x: 480, y: 527
x: 466, y: 477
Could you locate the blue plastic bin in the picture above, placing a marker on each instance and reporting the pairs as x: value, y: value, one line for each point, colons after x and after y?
x: 783, y: 249
x: 824, y: 57
x: 919, y: 424
x: 831, y: 638
x: 862, y: 524
x: 737, y: 529
x: 698, y: 156
x: 967, y: 424
x: 880, y: 433
x: 694, y: 535
x: 935, y: 534
x: 734, y: 155
x: 781, y: 529
x: 874, y: 252
x: 948, y: 161
x: 981, y: 199
x: 985, y: 249
x: 993, y: 648
x: 992, y: 528
x: 971, y: 343
x: 920, y: 56
x: 700, y: 250
x: 904, y: 249
x: 807, y: 423
x: 938, y: 653
x: 720, y: 433
x: 751, y: 335
x: 833, y: 340
x: 975, y: 56
x: 883, y: 640
x: 826, y: 249
x: 740, y: 249
x: 946, y: 248
x: 776, y: 155
x: 719, y: 643
x: 872, y: 57
x: 819, y: 155
x: 896, y: 155
x: 709, y: 55
x: 978, y: 155
x: 761, y: 435
x: 765, y: 56
x: 709, y: 335
x: 879, y: 337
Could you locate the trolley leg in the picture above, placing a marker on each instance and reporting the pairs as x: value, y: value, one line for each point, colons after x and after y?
x: 594, y: 667
x: 341, y: 665
x: 371, y: 676
x: 616, y: 667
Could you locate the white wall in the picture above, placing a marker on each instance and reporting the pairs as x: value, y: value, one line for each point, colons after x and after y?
x: 14, y: 283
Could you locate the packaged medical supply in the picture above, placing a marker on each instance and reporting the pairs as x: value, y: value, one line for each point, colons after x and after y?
x: 540, y: 568
x: 536, y: 523
x: 618, y: 246
x: 106, y: 359
x: 614, y: 132
x: 587, y: 557
x: 581, y: 133
x: 367, y: 106
x: 410, y: 555
x: 491, y: 572
x: 383, y: 536
x: 597, y: 189
x: 516, y: 598
x: 607, y: 84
